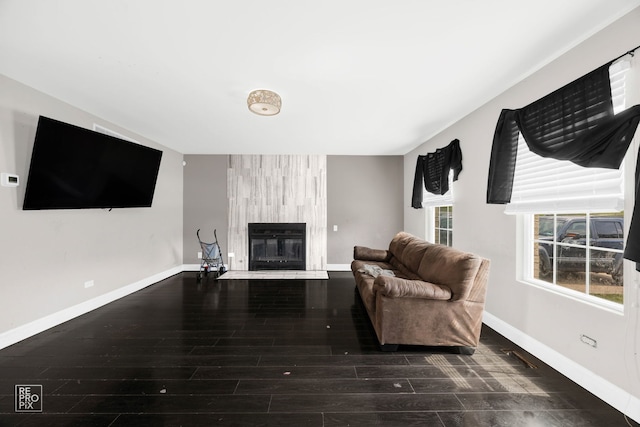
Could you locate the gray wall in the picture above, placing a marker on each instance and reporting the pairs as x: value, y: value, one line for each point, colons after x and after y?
x: 544, y: 322
x: 47, y: 256
x: 205, y: 203
x: 365, y: 201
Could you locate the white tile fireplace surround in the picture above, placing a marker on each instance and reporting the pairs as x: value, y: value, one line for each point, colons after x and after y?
x: 277, y: 189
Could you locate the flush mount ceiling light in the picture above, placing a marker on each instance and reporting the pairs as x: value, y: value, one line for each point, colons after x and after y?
x: 264, y: 102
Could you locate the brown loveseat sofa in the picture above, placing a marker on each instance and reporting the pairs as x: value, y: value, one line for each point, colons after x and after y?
x: 422, y: 293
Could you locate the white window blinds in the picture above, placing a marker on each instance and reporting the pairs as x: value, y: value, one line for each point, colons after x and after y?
x: 543, y: 184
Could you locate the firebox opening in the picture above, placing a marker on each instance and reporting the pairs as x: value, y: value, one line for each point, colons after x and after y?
x: 277, y: 246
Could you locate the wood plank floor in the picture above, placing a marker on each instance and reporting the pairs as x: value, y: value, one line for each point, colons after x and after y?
x: 273, y: 353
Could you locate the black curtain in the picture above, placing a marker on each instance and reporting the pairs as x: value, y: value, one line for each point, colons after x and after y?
x: 433, y: 169
x: 574, y: 123
x: 502, y: 164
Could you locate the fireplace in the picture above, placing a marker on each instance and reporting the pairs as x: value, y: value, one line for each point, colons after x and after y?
x: 277, y: 246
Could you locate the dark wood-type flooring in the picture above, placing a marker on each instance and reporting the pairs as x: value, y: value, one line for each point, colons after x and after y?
x: 274, y: 353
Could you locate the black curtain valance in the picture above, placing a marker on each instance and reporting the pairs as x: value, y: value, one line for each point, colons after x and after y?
x: 433, y: 170
x: 575, y: 123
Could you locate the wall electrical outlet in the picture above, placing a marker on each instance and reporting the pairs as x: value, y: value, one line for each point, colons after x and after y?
x: 88, y: 284
x: 9, y: 179
x: 199, y: 255
x: 589, y: 341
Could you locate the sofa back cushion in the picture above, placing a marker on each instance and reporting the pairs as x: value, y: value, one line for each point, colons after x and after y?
x: 399, y: 243
x: 406, y: 252
x: 418, y: 259
x: 451, y: 267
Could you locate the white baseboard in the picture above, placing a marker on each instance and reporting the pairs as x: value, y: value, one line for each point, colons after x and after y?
x: 338, y: 267
x: 191, y: 267
x: 620, y: 399
x: 196, y: 267
x: 25, y: 331
x: 330, y: 267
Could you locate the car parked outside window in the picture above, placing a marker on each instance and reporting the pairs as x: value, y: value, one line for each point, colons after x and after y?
x: 586, y: 259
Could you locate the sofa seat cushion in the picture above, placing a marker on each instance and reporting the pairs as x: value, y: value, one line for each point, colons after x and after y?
x: 375, y: 271
x: 402, y: 270
x: 359, y: 266
x: 395, y: 287
x: 364, y: 282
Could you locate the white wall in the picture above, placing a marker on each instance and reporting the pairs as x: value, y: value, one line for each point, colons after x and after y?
x: 545, y: 322
x: 47, y: 256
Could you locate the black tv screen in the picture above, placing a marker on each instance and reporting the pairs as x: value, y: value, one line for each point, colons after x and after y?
x: 77, y: 168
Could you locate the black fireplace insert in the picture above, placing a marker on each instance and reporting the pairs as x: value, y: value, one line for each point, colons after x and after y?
x: 277, y: 246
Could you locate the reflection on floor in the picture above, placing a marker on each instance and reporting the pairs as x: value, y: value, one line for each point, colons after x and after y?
x: 274, y: 353
x: 274, y: 274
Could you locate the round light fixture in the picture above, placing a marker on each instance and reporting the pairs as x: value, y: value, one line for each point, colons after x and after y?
x: 264, y: 102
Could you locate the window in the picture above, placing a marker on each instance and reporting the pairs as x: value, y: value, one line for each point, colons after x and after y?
x: 440, y: 215
x: 567, y: 253
x: 573, y: 234
x: 443, y: 225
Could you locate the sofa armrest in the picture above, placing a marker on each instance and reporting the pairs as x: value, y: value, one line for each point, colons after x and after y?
x: 367, y: 254
x: 396, y: 287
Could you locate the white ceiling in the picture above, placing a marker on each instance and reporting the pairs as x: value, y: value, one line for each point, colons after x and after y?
x: 362, y: 77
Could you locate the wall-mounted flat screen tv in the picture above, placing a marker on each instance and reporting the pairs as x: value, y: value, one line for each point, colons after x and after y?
x: 76, y: 168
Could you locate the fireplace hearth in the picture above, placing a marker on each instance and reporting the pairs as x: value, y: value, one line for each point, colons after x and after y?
x: 277, y: 246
